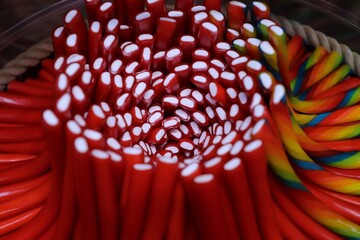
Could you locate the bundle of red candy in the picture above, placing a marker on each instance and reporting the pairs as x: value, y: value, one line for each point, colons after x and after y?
x: 151, y: 123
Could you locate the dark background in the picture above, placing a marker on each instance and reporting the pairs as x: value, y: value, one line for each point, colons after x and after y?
x: 337, y: 18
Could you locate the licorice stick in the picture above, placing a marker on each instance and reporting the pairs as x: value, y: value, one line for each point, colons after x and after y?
x: 205, y: 190
x: 139, y: 190
x: 27, y: 89
x: 85, y: 190
x: 176, y: 228
x: 21, y: 134
x: 75, y: 24
x: 91, y: 8
x: 27, y: 201
x: 159, y: 207
x: 238, y: 189
x: 164, y: 33
x: 105, y: 194
x: 120, y: 13
x: 287, y: 228
x: 255, y: 163
x: 187, y: 176
x: 23, y: 172
x: 16, y: 101
x: 12, y: 190
x: 131, y: 156
x: 214, y: 166
x: 50, y: 210
x: 12, y: 224
x: 236, y: 14
x: 68, y: 209
x: 94, y: 39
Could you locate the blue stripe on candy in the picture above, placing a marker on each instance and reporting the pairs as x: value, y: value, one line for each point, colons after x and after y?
x: 299, y: 81
x: 307, y: 165
x: 316, y: 120
x: 346, y: 99
x: 335, y: 158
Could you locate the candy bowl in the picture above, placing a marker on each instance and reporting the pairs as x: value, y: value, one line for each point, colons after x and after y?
x: 175, y: 120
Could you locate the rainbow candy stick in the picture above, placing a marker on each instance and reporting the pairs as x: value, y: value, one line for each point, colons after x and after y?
x: 322, y: 214
x: 337, y: 117
x: 252, y: 46
x: 267, y: 82
x: 325, y: 155
x: 248, y: 31
x: 326, y: 66
x: 276, y: 154
x: 277, y: 38
x: 354, y: 200
x: 263, y: 28
x: 333, y: 133
x: 309, y: 145
x: 316, y: 56
x: 342, y: 100
x: 299, y: 157
x: 343, y: 208
x: 309, y: 226
x: 270, y: 59
x: 344, y: 145
x: 296, y: 49
x: 327, y: 83
x: 343, y: 86
x: 351, y: 173
x: 240, y: 46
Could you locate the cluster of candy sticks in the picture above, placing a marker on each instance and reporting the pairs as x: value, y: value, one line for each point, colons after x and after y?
x: 150, y: 123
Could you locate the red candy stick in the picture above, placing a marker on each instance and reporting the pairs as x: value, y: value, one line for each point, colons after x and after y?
x: 75, y: 23
x: 255, y: 164
x: 91, y: 9
x: 68, y: 205
x: 109, y: 48
x: 133, y: 7
x: 84, y: 182
x: 112, y: 26
x: 236, y: 14
x: 160, y: 199
x: 105, y: 194
x: 105, y: 12
x: 164, y: 33
x: 58, y: 38
x: 213, y: 5
x: 156, y: 7
x: 218, y: 19
x: 120, y: 11
x: 179, y: 16
x: 95, y: 33
x: 187, y: 44
x: 173, y: 58
x: 238, y: 188
x: 144, y: 23
x: 139, y: 191
x: 209, y: 217
x: 208, y: 34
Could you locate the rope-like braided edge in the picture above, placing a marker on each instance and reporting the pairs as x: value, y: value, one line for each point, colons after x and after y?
x: 36, y: 53
x: 23, y: 61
